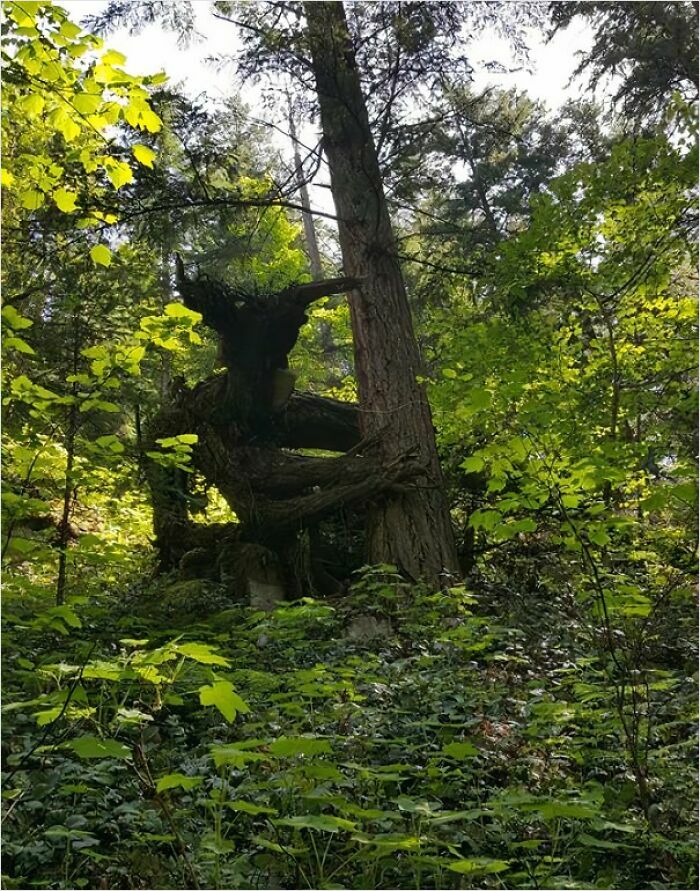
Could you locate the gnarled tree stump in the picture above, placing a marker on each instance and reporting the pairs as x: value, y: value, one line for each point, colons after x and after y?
x: 248, y: 420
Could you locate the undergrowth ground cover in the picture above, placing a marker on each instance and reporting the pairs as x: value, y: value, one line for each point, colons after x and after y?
x: 393, y: 738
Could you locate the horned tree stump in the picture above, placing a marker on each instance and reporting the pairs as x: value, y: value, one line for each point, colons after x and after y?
x: 248, y: 420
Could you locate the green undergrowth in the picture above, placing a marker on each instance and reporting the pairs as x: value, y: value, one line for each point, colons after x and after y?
x: 394, y: 738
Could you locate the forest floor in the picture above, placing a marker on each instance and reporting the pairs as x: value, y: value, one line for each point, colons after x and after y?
x: 391, y: 739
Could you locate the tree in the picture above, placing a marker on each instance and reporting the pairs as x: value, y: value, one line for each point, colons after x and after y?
x: 589, y: 342
x: 202, y: 195
x: 651, y: 46
x: 411, y: 529
x: 240, y: 424
x: 64, y: 99
x: 507, y: 149
x: 310, y: 239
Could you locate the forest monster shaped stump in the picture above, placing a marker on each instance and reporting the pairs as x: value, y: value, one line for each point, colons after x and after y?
x: 246, y: 419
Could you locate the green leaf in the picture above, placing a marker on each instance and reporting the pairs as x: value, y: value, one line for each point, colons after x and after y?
x: 65, y: 200
x: 485, y: 519
x: 158, y: 837
x: 460, y: 750
x: 32, y: 199
x: 222, y: 695
x: 571, y: 501
x: 70, y: 30
x: 16, y: 321
x: 599, y: 537
x: 179, y: 311
x: 61, y: 119
x: 106, y: 671
x: 32, y: 105
x: 387, y: 842
x: 525, y: 525
x: 473, y: 464
x: 87, y: 103
x: 459, y: 816
x: 22, y: 546
x: 144, y: 155
x: 94, y: 747
x: 105, y: 74
x: 289, y: 747
x: 247, y: 807
x: 132, y: 715
x: 590, y: 841
x: 478, y: 866
x: 79, y: 837
x: 150, y: 120
x: 479, y: 399
x: 110, y: 442
x: 233, y: 755
x: 119, y: 174
x: 156, y: 79
x: 23, y: 13
x: 317, y: 822
x: 177, y: 781
x: 576, y: 810
x: 202, y: 653
x: 66, y: 613
x: 278, y: 849
x: 48, y: 716
x: 101, y: 254
x: 413, y: 806
x: 112, y: 57
x: 217, y: 845
x: 75, y: 788
x: 16, y: 343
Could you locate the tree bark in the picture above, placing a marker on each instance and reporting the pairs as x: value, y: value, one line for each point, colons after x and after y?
x: 257, y: 333
x: 279, y: 498
x: 318, y: 422
x: 69, y: 486
x: 310, y: 239
x: 413, y: 529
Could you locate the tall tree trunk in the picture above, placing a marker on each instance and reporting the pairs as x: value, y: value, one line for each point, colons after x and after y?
x: 325, y: 329
x: 413, y: 529
x: 69, y: 496
x: 69, y: 487
x: 311, y: 242
x: 166, y: 296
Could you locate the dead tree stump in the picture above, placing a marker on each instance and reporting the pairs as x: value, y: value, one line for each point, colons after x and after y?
x: 248, y: 422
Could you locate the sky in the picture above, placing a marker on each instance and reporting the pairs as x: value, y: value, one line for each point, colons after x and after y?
x: 153, y: 49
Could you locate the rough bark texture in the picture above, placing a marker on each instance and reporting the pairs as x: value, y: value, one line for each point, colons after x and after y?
x: 317, y: 422
x: 244, y: 430
x: 257, y: 333
x: 411, y: 529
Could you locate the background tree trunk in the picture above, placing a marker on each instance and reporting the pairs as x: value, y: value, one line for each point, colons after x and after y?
x: 412, y: 530
x: 310, y: 240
